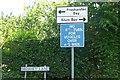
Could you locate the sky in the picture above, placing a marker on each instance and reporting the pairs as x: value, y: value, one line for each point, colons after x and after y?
x: 16, y: 6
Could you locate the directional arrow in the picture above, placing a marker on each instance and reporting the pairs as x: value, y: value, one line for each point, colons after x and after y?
x: 83, y: 19
x: 61, y: 11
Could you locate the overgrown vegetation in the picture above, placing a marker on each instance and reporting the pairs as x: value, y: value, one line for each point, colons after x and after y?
x: 33, y: 39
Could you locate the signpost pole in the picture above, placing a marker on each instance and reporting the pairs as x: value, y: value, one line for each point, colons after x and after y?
x: 25, y: 73
x: 72, y: 72
x: 44, y: 75
x: 72, y: 36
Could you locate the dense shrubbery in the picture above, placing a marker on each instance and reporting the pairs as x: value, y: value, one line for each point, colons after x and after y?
x: 34, y: 40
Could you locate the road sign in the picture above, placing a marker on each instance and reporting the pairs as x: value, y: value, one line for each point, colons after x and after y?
x: 43, y: 68
x: 72, y: 35
x: 72, y: 14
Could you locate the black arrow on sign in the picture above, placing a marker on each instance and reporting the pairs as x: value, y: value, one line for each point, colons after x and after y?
x: 83, y: 19
x: 61, y: 11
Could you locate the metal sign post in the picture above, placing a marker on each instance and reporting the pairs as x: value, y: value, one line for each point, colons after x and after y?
x: 71, y: 20
x: 72, y: 35
x: 25, y: 73
x: 45, y: 75
x: 72, y: 54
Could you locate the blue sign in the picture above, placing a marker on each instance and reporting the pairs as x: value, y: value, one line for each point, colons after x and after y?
x: 72, y: 35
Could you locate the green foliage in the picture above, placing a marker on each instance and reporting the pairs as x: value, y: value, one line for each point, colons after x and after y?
x: 34, y: 40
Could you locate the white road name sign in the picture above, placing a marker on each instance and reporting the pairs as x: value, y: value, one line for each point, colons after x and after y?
x: 44, y: 68
x: 72, y: 14
x: 71, y: 19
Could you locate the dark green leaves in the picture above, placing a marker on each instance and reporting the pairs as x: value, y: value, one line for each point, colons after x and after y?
x: 34, y: 40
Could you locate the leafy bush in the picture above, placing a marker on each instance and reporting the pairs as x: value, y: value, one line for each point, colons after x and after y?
x: 34, y: 40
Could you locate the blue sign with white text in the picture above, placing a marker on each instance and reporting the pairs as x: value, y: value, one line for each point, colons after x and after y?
x: 72, y: 35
